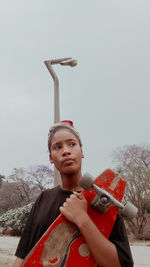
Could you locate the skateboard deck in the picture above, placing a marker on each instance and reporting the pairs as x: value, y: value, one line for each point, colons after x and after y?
x: 62, y: 245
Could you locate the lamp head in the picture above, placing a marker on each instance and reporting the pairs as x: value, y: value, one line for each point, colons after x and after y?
x: 71, y: 63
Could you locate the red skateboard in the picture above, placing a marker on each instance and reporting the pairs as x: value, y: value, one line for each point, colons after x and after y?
x: 62, y: 244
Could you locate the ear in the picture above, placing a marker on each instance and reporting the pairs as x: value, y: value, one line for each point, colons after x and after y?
x: 82, y: 154
x: 50, y: 159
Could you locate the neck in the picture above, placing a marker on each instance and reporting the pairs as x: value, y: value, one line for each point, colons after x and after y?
x: 70, y: 182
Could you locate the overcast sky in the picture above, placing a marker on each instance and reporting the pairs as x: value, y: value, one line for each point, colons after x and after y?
x: 107, y: 95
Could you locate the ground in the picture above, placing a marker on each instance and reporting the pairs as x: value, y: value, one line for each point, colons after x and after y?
x: 8, y: 244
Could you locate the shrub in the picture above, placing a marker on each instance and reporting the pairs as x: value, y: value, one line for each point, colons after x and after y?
x: 144, y: 236
x: 15, y: 218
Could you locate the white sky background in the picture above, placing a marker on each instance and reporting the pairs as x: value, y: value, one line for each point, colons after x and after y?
x: 107, y: 95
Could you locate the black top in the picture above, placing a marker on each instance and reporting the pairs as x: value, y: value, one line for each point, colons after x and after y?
x: 46, y: 210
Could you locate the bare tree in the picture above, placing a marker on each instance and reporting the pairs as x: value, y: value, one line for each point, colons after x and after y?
x: 133, y: 164
x: 20, y: 190
x: 2, y: 177
x: 10, y: 197
x: 41, y: 176
x: 23, y: 186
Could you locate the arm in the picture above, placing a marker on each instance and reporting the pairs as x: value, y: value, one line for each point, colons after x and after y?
x: 120, y: 239
x: 26, y: 241
x: 103, y: 251
x: 18, y: 262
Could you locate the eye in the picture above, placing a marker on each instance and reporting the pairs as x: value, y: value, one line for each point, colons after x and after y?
x: 58, y: 147
x: 72, y: 144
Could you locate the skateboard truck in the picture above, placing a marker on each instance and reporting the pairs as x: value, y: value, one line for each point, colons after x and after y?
x: 104, y: 199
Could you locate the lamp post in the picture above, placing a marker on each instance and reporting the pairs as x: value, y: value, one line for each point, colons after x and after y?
x: 64, y: 62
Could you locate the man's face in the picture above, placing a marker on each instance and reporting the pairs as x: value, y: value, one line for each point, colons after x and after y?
x: 66, y: 153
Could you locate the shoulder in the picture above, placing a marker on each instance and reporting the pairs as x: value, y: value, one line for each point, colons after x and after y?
x: 47, y: 194
x: 51, y: 191
x: 119, y: 230
x: 55, y: 192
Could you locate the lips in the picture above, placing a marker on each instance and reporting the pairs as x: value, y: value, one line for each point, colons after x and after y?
x: 67, y: 161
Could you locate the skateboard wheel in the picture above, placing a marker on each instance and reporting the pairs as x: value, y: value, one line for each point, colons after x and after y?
x: 129, y: 211
x: 86, y: 181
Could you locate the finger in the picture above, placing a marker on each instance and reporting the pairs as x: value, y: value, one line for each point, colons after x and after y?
x: 65, y: 204
x: 72, y: 196
x: 67, y: 199
x: 79, y: 195
x: 61, y: 209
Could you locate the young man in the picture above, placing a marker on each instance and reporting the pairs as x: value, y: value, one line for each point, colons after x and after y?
x: 66, y: 154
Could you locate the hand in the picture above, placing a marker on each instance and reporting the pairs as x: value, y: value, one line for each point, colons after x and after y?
x: 75, y: 208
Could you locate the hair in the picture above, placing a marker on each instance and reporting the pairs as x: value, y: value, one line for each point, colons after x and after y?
x: 61, y: 126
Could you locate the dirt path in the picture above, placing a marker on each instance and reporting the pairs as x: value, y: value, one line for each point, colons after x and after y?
x: 141, y: 256
x: 8, y: 244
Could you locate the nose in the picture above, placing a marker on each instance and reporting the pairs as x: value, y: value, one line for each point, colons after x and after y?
x: 66, y: 150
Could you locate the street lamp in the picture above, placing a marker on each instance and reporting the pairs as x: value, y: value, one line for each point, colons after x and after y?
x: 64, y: 62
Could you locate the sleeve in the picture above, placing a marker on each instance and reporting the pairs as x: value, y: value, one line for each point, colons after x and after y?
x: 25, y: 242
x: 120, y: 240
